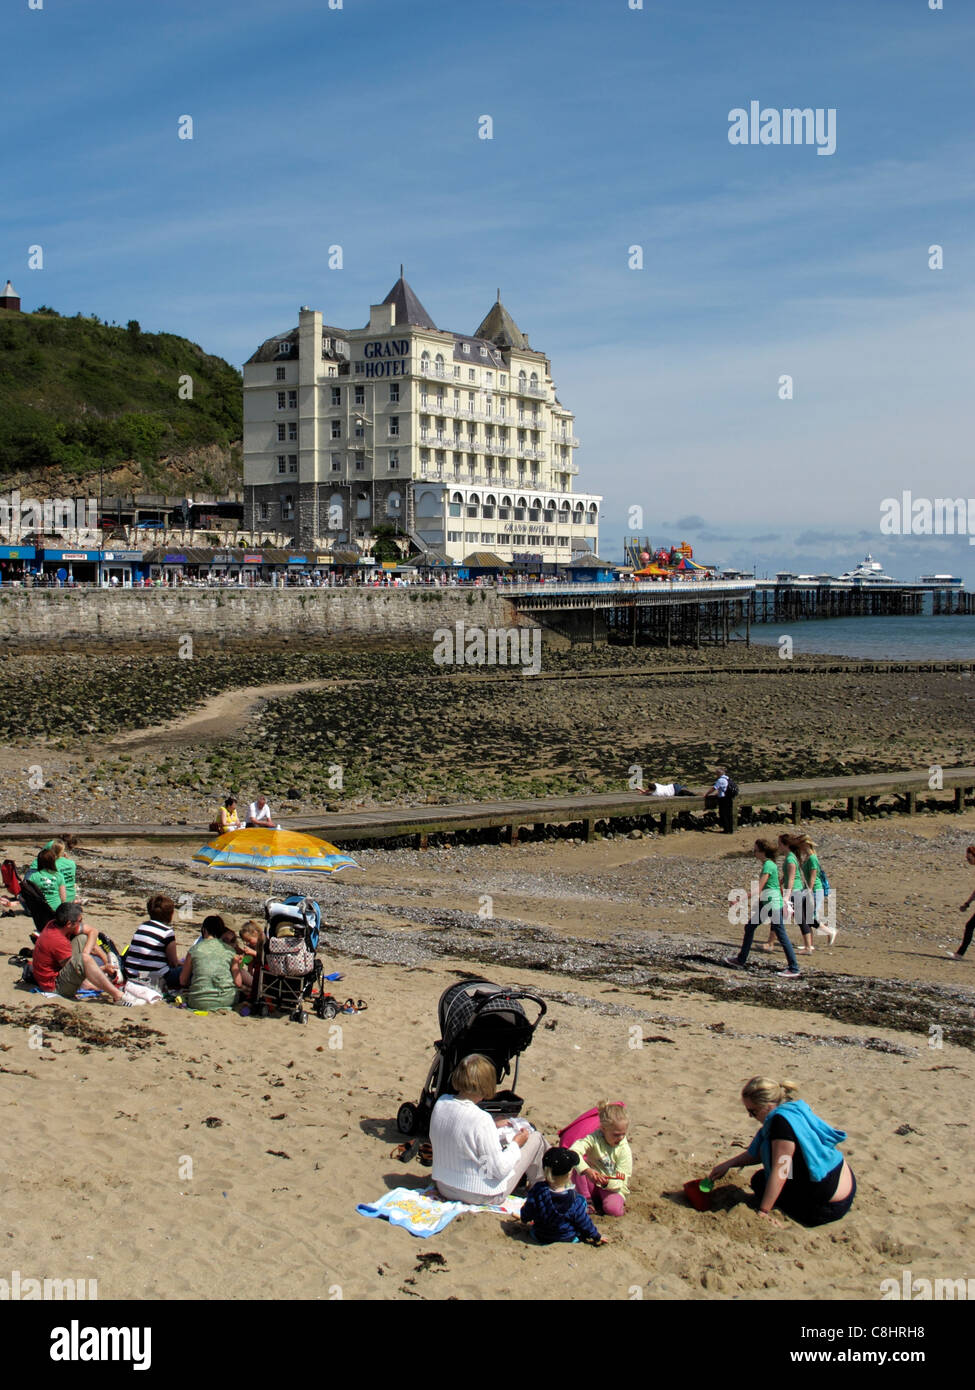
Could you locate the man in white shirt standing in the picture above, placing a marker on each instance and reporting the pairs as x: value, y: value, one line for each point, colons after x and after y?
x: 724, y: 808
x: 259, y: 812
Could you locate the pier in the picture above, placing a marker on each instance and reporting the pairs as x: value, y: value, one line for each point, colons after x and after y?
x: 717, y: 612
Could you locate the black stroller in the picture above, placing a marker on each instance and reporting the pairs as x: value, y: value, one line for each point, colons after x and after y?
x: 287, y: 971
x: 475, y: 1016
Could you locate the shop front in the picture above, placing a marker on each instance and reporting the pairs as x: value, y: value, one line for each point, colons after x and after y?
x: 15, y: 563
x: 120, y: 569
x: 71, y: 566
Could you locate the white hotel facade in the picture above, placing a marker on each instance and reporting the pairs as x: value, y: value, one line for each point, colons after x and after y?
x: 459, y: 441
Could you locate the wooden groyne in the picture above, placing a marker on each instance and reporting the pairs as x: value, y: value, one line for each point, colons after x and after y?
x: 954, y: 788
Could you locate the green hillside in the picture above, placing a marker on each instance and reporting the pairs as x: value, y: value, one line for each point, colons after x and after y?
x: 76, y: 393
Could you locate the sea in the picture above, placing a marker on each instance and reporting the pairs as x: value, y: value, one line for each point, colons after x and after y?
x: 912, y: 638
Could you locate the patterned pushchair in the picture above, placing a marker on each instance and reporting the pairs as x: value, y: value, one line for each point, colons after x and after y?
x: 288, y: 972
x: 476, y: 1016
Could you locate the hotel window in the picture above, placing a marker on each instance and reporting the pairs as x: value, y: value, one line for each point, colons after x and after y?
x: 360, y: 463
x: 359, y: 430
x: 360, y: 395
x: 280, y: 374
x: 487, y: 537
x: 467, y: 349
x: 281, y: 433
x: 471, y: 373
x: 292, y: 463
x: 393, y: 460
x: 455, y: 535
x: 457, y: 371
x: 550, y: 515
x: 562, y: 540
x: 282, y: 400
x: 424, y: 398
x: 489, y: 378
x: 292, y: 400
x: 265, y: 510
x: 484, y: 352
x: 424, y: 457
x: 282, y: 464
x: 440, y: 400
x: 453, y: 509
x: 439, y: 364
x: 394, y: 390
x: 487, y: 513
x: 471, y: 511
x: 534, y: 514
x: 288, y: 508
x: 336, y: 429
x: 522, y: 381
x: 336, y: 463
x: 293, y: 430
x: 336, y: 395
x: 394, y: 424
x: 503, y: 379
x: 504, y: 513
x: 519, y: 513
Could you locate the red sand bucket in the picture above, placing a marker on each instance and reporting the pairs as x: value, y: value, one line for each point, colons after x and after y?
x: 698, y: 1193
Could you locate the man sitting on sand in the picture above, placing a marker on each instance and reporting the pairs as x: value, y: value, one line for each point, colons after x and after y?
x: 259, y: 812
x: 62, y: 968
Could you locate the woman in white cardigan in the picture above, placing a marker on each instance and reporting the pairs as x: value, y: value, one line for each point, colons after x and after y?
x: 469, y: 1162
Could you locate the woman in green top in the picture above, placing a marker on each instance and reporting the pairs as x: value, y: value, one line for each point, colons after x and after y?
x: 211, y: 972
x: 766, y: 907
x: 806, y: 849
x: 793, y: 901
x: 48, y: 881
x: 67, y: 868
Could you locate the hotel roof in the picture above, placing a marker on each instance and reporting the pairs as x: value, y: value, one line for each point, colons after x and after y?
x: 499, y: 327
x: 408, y: 307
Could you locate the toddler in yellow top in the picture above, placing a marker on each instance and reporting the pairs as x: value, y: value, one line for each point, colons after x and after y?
x: 604, y: 1175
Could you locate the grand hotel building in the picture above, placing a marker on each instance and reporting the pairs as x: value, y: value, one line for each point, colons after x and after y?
x: 460, y: 441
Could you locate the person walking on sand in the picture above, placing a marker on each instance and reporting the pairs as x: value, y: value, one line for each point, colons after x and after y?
x: 816, y: 890
x: 970, y: 924
x: 766, y: 906
x: 792, y: 889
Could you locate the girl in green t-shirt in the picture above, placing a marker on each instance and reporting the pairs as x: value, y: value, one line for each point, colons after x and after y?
x: 766, y: 906
x: 811, y: 873
x: 791, y: 881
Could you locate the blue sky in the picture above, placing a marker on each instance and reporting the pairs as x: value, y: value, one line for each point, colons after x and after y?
x: 359, y: 127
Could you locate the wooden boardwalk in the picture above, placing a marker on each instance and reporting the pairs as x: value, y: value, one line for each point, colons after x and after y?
x: 902, y: 789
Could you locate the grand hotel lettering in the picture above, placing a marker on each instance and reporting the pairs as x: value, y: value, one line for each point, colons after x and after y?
x: 385, y: 359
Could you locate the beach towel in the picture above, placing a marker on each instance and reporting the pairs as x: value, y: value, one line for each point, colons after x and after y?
x: 424, y: 1213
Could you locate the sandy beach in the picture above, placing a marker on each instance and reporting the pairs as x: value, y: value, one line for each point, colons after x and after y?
x: 217, y: 1151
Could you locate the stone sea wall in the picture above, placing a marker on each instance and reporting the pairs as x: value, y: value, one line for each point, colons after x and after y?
x: 41, y: 617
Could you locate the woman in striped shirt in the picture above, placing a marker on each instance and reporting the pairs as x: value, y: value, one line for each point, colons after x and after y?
x: 152, y: 951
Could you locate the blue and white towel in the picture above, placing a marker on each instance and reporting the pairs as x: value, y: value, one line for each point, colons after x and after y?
x: 424, y: 1213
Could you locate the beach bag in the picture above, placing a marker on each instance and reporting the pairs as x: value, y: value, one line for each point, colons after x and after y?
x: 290, y: 956
x: 141, y: 994
x: 8, y: 872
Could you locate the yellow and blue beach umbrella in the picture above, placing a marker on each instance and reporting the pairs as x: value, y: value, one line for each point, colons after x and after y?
x: 274, y: 852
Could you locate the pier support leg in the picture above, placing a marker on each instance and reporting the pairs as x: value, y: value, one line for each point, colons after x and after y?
x: 424, y: 841
x: 959, y: 799
x: 666, y: 822
x: 592, y: 632
x: 853, y: 807
x: 912, y: 803
x: 590, y: 833
x: 512, y: 834
x: 796, y: 812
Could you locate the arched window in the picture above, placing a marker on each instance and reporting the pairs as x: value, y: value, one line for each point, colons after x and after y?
x: 393, y: 504
x: 534, y: 381
x: 439, y: 364
x: 522, y: 380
